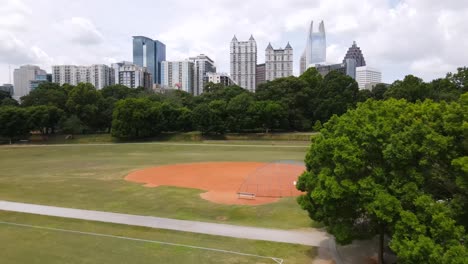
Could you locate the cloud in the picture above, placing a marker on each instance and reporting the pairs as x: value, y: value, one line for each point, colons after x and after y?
x: 80, y: 30
x: 13, y: 15
x: 15, y: 51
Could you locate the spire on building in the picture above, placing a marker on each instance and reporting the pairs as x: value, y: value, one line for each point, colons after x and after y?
x: 234, y: 38
x: 269, y: 47
x: 251, y: 38
x: 288, y: 46
x: 322, y: 27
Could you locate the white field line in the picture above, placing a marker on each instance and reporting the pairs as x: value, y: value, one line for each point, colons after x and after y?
x: 156, y: 143
x: 277, y: 260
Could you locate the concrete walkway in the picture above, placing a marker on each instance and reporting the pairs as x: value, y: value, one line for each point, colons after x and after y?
x: 310, y: 237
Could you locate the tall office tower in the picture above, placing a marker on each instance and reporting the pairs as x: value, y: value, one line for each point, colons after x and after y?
x: 366, y: 76
x: 150, y: 54
x: 302, y: 63
x: 131, y: 75
x: 278, y: 62
x: 354, y: 52
x: 316, y: 46
x: 260, y: 73
x: 222, y: 78
x: 99, y: 75
x: 177, y: 75
x: 244, y: 63
x: 23, y: 77
x: 203, y: 65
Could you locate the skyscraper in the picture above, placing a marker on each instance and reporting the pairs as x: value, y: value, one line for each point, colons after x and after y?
x: 150, y: 54
x: 366, y: 76
x: 302, y: 63
x: 131, y: 75
x: 99, y: 75
x: 24, y: 79
x: 244, y: 63
x: 177, y: 75
x: 316, y: 46
x: 202, y: 65
x: 260, y: 74
x: 354, y: 52
x: 278, y: 62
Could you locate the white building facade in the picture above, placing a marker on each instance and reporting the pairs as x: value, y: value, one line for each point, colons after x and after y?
x: 278, y: 62
x: 222, y: 78
x: 98, y: 75
x: 23, y: 77
x: 202, y: 65
x: 178, y: 75
x: 131, y: 75
x: 244, y: 63
x: 366, y: 76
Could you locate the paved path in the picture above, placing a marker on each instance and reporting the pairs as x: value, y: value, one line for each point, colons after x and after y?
x: 310, y: 237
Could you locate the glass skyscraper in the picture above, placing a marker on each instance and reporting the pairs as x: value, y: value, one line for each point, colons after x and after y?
x: 316, y: 47
x: 150, y: 54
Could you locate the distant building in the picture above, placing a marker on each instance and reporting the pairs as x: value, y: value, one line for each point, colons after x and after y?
x: 131, y: 75
x: 222, y: 78
x: 178, y: 75
x: 302, y: 64
x: 150, y: 54
x: 347, y: 68
x: 366, y: 77
x: 354, y: 52
x: 202, y: 65
x: 278, y: 62
x: 99, y: 75
x: 7, y: 88
x: 39, y: 79
x: 244, y: 63
x: 23, y: 79
x: 260, y: 73
x: 316, y: 46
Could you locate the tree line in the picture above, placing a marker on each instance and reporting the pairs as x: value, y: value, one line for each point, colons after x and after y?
x: 287, y: 104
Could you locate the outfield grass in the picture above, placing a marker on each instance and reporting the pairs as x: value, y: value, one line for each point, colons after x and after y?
x: 92, y: 177
x: 30, y: 245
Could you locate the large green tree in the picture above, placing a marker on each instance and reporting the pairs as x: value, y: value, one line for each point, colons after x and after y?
x: 86, y: 103
x: 13, y: 122
x: 411, y: 88
x: 369, y: 168
x: 44, y: 118
x: 268, y: 115
x: 46, y: 94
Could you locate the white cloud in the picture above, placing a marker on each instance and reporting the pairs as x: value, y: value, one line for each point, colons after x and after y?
x: 80, y: 30
x: 15, y: 51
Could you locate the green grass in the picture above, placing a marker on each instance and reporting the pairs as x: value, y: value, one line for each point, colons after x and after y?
x: 30, y: 245
x: 92, y: 177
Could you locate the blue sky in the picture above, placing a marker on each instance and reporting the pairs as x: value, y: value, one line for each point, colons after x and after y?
x: 423, y: 37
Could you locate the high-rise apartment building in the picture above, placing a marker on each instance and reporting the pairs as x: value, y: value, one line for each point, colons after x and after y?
x: 302, y: 63
x: 316, y: 46
x: 150, y: 54
x: 202, y: 65
x: 366, y: 76
x: 278, y: 62
x: 99, y: 75
x: 260, y: 74
x: 131, y: 75
x: 244, y: 63
x: 222, y: 78
x: 24, y: 78
x: 178, y: 75
x: 354, y: 52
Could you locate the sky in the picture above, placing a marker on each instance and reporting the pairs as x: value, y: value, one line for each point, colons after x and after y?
x: 427, y: 38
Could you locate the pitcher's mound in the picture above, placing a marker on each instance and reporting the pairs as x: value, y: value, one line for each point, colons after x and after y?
x: 223, y: 180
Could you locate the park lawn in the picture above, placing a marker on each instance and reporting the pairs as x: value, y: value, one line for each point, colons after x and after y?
x: 92, y: 177
x: 22, y: 244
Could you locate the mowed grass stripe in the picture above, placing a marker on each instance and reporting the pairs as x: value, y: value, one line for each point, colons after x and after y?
x: 27, y: 245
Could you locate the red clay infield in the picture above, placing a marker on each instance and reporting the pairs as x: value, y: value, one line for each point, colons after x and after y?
x: 223, y: 180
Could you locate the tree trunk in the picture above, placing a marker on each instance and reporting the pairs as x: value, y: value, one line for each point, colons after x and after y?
x: 381, y: 244
x: 10, y: 141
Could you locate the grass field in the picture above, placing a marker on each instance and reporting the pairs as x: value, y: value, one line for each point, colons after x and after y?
x: 91, y: 177
x: 22, y: 244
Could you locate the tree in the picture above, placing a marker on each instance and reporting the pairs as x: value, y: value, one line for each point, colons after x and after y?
x: 72, y: 125
x: 237, y: 116
x: 460, y: 78
x: 46, y: 94
x: 136, y: 118
x: 268, y: 115
x: 370, y: 166
x: 4, y: 95
x: 44, y: 118
x: 84, y: 102
x: 378, y: 91
x: 209, y: 118
x: 184, y: 119
x: 13, y: 122
x: 8, y: 102
x: 336, y: 94
x: 117, y: 91
x: 317, y: 126
x: 412, y: 88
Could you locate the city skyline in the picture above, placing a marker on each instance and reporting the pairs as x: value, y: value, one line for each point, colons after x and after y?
x: 83, y: 36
